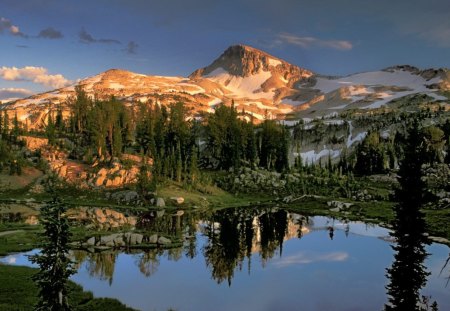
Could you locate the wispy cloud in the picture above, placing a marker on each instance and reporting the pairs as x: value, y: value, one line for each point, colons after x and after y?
x: 131, y: 47
x: 50, y: 33
x: 311, y: 42
x: 86, y: 37
x: 8, y: 26
x: 303, y: 258
x: 12, y: 92
x: 37, y: 75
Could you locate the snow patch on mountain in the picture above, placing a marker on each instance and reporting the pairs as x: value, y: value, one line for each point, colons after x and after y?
x: 249, y: 87
x: 313, y: 156
x: 274, y: 62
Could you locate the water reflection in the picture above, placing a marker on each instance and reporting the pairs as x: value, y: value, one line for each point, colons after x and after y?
x: 215, y: 252
x: 408, y: 273
x: 230, y: 236
x: 19, y: 218
x: 100, y: 265
x: 229, y: 239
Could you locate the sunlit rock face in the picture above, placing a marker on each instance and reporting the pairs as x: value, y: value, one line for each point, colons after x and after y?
x: 260, y: 85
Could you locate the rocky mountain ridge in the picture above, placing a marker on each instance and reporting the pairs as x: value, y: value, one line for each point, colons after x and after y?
x: 259, y: 84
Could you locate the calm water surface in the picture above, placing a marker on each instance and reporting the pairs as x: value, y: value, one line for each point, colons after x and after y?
x: 256, y: 259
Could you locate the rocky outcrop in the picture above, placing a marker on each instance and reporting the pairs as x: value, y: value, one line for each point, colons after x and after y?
x: 34, y: 143
x: 127, y: 239
x: 114, y: 177
x: 126, y: 197
x: 244, y: 61
x: 103, y: 218
x: 338, y: 206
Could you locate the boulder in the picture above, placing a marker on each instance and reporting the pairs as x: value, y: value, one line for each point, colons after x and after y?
x: 118, y: 241
x: 107, y: 240
x: 102, y: 172
x: 131, y: 196
x: 164, y: 241
x: 153, y: 239
x: 91, y: 241
x: 131, y: 220
x: 115, y: 215
x: 136, y: 238
x: 98, y: 213
x: 100, y: 180
x: 177, y: 200
x: 63, y: 171
x: 160, y: 202
x: 127, y: 237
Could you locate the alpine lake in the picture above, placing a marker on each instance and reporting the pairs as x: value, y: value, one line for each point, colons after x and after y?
x: 259, y: 258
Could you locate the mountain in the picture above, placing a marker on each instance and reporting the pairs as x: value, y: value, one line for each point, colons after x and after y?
x: 259, y: 84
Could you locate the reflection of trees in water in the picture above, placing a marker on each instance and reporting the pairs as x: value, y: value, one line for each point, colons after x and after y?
x: 100, y: 265
x: 149, y: 262
x: 233, y: 236
x: 443, y: 269
x: 223, y: 252
x: 167, y: 223
x: 273, y: 228
x: 408, y: 273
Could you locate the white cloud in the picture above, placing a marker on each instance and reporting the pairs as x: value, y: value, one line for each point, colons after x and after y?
x: 303, y: 258
x: 308, y: 42
x: 6, y: 24
x: 37, y: 75
x: 12, y: 92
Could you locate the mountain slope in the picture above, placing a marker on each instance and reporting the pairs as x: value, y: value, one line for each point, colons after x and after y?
x: 260, y: 85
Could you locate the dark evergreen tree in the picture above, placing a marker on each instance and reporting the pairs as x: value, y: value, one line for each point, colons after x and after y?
x: 407, y: 274
x: 54, y: 264
x: 50, y: 129
x: 5, y: 130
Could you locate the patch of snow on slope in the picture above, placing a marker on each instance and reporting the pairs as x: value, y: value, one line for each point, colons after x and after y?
x: 191, y: 92
x: 214, y: 102
x: 274, y: 62
x: 350, y: 139
x: 396, y: 78
x: 338, y: 107
x: 312, y: 156
x: 260, y: 105
x: 116, y: 86
x: 242, y: 87
x: 413, y: 83
x: 285, y: 110
x: 334, y: 122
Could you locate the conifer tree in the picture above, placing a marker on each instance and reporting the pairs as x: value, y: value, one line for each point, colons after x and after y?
x: 54, y: 264
x: 5, y: 132
x: 50, y: 130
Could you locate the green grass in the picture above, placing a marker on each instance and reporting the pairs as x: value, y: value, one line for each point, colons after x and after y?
x: 437, y: 222
x: 18, y: 292
x: 21, y: 241
x: 373, y: 212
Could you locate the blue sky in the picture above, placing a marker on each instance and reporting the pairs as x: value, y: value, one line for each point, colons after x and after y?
x: 49, y: 43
